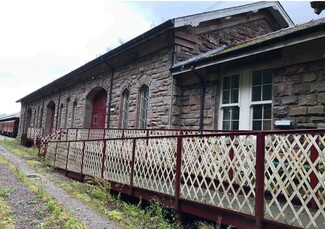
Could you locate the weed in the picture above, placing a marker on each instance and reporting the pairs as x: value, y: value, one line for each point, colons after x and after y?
x: 57, y: 212
x: 21, y: 176
x: 6, y: 216
x: 71, y: 223
x: 50, y: 205
x: 41, y: 226
x: 204, y: 225
x: 40, y: 212
x: 41, y: 190
x: 4, y: 192
x: 100, y: 189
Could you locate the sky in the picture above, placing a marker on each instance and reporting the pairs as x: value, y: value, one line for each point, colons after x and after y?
x: 42, y: 40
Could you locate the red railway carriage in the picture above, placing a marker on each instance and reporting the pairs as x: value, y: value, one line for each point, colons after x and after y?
x: 9, y: 126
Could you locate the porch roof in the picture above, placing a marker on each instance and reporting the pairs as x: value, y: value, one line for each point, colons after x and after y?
x: 284, y: 37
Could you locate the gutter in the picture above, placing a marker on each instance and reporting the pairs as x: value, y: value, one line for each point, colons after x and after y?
x: 25, y: 116
x: 110, y: 93
x: 202, y: 95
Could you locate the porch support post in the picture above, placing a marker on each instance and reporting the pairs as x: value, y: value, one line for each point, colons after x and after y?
x: 178, y: 173
x: 259, y: 171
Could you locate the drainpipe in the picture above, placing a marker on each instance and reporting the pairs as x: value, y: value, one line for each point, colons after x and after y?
x: 172, y: 82
x: 25, y: 116
x: 110, y: 93
x: 42, y: 113
x: 57, y: 110
x: 202, y: 97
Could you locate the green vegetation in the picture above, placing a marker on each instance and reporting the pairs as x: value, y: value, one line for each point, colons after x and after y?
x: 53, y: 214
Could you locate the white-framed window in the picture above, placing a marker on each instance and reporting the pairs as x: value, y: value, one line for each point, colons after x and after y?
x: 143, y: 112
x: 125, y: 108
x: 262, y: 99
x: 246, y: 100
x: 230, y: 105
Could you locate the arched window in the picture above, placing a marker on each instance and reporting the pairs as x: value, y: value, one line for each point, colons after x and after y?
x: 143, y: 112
x: 73, y: 116
x: 66, y: 113
x: 124, y: 114
x: 60, y: 116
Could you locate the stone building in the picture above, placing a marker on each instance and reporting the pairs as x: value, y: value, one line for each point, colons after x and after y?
x: 151, y: 82
x: 273, y: 81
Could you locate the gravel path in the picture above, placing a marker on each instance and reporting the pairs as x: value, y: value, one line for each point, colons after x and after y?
x: 26, y: 205
x: 84, y: 213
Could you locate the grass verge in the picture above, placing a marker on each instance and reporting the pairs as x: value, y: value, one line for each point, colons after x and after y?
x: 53, y: 214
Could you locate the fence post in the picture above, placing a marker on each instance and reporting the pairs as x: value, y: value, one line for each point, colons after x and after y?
x: 313, y: 177
x: 132, y: 166
x: 103, y: 159
x: 55, y: 153
x: 67, y: 158
x: 231, y: 157
x: 82, y: 157
x: 178, y: 173
x: 147, y: 136
x: 259, y: 172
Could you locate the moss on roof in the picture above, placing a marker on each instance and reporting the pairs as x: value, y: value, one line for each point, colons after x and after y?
x: 258, y: 40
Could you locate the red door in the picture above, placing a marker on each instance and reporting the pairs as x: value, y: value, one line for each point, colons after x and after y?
x: 98, y: 114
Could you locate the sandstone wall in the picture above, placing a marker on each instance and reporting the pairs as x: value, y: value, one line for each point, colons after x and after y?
x: 151, y: 70
x: 191, y: 102
x: 299, y: 94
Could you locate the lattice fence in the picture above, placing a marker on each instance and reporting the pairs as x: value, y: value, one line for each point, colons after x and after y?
x: 216, y: 170
x: 50, y: 155
x: 111, y: 133
x: 118, y: 161
x: 295, y: 180
x: 35, y: 134
x: 96, y: 134
x: 75, y: 156
x: 219, y: 171
x: 93, y: 155
x: 72, y: 134
x: 61, y: 155
x: 134, y: 133
x: 155, y: 164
